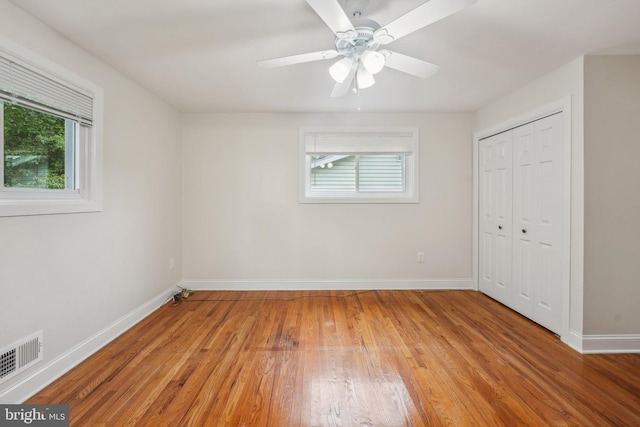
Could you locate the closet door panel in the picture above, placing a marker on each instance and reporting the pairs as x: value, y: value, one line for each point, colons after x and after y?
x: 537, y: 228
x: 495, y: 200
x: 486, y: 214
x: 524, y: 212
x: 547, y: 307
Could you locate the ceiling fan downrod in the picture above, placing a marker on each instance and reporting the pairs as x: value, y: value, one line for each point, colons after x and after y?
x: 356, y: 8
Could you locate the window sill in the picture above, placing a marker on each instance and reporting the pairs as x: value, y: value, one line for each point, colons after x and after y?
x: 47, y: 207
x: 373, y: 198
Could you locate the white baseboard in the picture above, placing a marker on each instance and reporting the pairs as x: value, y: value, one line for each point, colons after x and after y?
x: 594, y: 344
x: 326, y: 285
x: 573, y: 340
x: 610, y: 344
x: 45, y: 375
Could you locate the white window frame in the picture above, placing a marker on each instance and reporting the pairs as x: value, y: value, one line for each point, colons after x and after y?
x: 86, y: 194
x: 411, y: 150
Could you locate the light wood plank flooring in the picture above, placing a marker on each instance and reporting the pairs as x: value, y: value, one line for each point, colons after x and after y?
x: 372, y: 358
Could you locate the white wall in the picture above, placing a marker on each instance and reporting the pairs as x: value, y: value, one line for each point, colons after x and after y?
x: 243, y: 222
x: 73, y: 275
x: 565, y: 81
x: 612, y: 195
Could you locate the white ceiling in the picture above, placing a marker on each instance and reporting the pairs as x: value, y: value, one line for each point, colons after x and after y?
x: 200, y: 55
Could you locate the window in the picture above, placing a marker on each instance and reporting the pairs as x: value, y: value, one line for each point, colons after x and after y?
x: 359, y: 165
x: 358, y: 173
x: 49, y: 137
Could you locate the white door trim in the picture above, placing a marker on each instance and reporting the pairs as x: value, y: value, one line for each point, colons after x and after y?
x: 564, y: 106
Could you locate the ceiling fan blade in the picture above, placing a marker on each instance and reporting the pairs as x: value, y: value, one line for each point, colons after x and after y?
x: 410, y: 65
x: 341, y: 89
x: 423, y: 15
x: 333, y: 15
x: 297, y: 59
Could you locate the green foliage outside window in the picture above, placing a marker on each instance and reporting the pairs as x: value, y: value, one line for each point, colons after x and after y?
x: 34, y: 149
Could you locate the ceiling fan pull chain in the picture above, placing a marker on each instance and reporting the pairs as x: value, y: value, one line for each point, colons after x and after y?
x: 355, y: 82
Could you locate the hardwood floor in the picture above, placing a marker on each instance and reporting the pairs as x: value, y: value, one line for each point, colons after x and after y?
x: 372, y: 358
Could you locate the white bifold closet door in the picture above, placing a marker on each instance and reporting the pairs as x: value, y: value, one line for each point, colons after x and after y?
x: 520, y: 203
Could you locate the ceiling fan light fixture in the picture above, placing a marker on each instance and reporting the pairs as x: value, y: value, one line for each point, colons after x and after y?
x: 340, y: 70
x: 364, y: 78
x: 373, y: 61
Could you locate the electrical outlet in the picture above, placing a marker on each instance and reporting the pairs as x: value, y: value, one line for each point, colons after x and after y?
x: 420, y: 256
x: 172, y: 263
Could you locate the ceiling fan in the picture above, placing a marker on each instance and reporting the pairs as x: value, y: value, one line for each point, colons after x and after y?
x: 358, y: 41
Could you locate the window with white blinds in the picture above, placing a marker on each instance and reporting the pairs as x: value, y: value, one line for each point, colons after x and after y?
x: 50, y: 136
x: 359, y: 165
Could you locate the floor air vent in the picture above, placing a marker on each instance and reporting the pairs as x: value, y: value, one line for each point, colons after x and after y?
x: 20, y: 355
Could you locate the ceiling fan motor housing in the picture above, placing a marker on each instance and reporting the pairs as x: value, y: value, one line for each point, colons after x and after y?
x: 363, y: 41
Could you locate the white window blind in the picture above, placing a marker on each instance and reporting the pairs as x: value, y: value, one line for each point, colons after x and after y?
x: 24, y: 85
x: 359, y: 142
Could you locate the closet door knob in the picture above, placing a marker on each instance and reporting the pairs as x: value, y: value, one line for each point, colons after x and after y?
x: 524, y: 231
x: 499, y: 227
